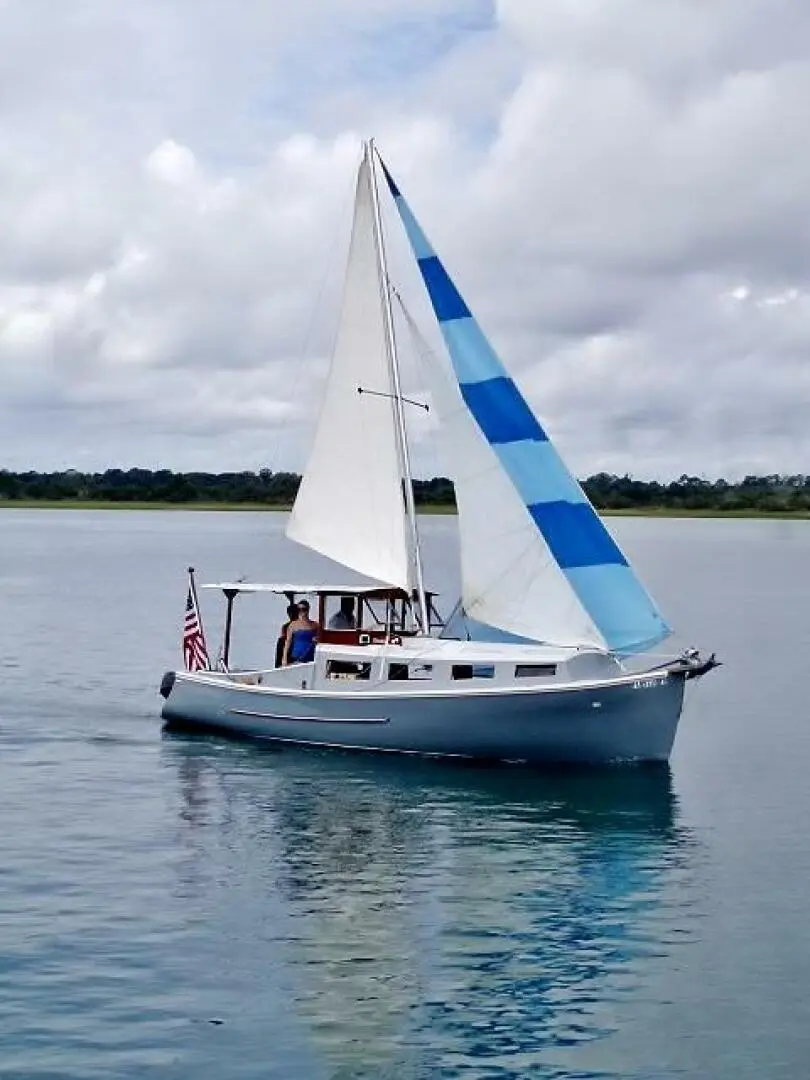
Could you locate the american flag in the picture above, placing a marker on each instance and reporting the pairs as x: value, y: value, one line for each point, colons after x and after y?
x: 195, y: 652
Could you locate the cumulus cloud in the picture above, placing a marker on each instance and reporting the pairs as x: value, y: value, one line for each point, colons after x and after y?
x: 622, y: 192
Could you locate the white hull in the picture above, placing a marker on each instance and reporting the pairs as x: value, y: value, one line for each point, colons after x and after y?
x: 626, y: 718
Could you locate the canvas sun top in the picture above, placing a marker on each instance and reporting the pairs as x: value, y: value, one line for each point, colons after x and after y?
x: 372, y: 592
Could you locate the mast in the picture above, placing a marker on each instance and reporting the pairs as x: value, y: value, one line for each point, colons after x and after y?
x: 399, y: 412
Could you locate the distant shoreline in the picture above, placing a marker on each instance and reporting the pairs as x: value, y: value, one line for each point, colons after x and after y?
x: 98, y: 504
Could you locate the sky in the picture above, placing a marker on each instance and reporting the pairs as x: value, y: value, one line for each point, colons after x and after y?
x: 620, y: 190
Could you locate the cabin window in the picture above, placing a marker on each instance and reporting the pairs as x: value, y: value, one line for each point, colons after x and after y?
x: 344, y: 669
x: 399, y: 671
x: 384, y: 614
x: 472, y: 671
x: 339, y: 618
x: 483, y: 671
x: 534, y: 671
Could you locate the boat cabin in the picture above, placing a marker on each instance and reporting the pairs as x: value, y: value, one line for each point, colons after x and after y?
x: 380, y: 613
x: 441, y: 664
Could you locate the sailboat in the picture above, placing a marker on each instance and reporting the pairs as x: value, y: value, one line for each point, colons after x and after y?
x: 569, y: 682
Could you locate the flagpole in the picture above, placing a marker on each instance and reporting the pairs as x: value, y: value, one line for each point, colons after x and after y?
x: 193, y: 586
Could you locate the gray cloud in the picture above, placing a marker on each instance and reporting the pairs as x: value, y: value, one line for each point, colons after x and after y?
x: 622, y: 193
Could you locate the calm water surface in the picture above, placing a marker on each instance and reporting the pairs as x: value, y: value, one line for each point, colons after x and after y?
x: 344, y: 917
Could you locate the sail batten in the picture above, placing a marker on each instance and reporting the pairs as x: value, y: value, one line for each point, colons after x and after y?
x: 536, y: 558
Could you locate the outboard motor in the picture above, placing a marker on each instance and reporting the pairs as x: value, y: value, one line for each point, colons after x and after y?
x: 167, y: 683
x: 696, y: 665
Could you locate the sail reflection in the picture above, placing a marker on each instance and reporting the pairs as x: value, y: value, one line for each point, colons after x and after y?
x: 442, y: 918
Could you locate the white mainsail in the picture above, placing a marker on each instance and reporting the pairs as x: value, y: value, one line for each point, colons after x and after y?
x: 350, y: 506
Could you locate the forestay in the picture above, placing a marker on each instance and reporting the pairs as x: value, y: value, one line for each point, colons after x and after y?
x: 536, y: 559
x: 350, y: 504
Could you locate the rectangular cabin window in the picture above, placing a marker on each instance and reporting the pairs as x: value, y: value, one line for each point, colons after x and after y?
x: 534, y: 671
x: 345, y: 669
x: 472, y: 671
x: 400, y: 671
x: 483, y: 671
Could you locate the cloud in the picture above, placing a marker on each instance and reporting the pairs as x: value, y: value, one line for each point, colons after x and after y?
x: 621, y: 191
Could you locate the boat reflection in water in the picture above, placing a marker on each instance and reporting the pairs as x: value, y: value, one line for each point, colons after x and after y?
x: 429, y: 917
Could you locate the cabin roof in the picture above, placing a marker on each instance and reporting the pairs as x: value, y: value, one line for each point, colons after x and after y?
x: 428, y: 649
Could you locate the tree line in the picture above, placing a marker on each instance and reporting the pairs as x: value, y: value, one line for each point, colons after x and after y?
x: 164, y: 486
x: 774, y: 493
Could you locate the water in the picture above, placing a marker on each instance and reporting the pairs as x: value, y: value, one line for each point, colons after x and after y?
x: 179, y: 907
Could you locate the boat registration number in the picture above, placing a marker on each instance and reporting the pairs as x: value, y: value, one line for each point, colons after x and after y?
x: 648, y: 684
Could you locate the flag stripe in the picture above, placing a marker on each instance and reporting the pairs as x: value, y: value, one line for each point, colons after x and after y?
x: 195, y: 651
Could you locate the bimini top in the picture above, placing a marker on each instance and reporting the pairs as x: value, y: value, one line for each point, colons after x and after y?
x: 284, y: 588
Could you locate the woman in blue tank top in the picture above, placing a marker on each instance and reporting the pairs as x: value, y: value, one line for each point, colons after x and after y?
x: 302, y: 634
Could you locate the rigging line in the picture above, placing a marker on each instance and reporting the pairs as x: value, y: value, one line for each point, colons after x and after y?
x: 457, y: 612
x: 495, y: 584
x: 424, y: 353
x: 421, y: 349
